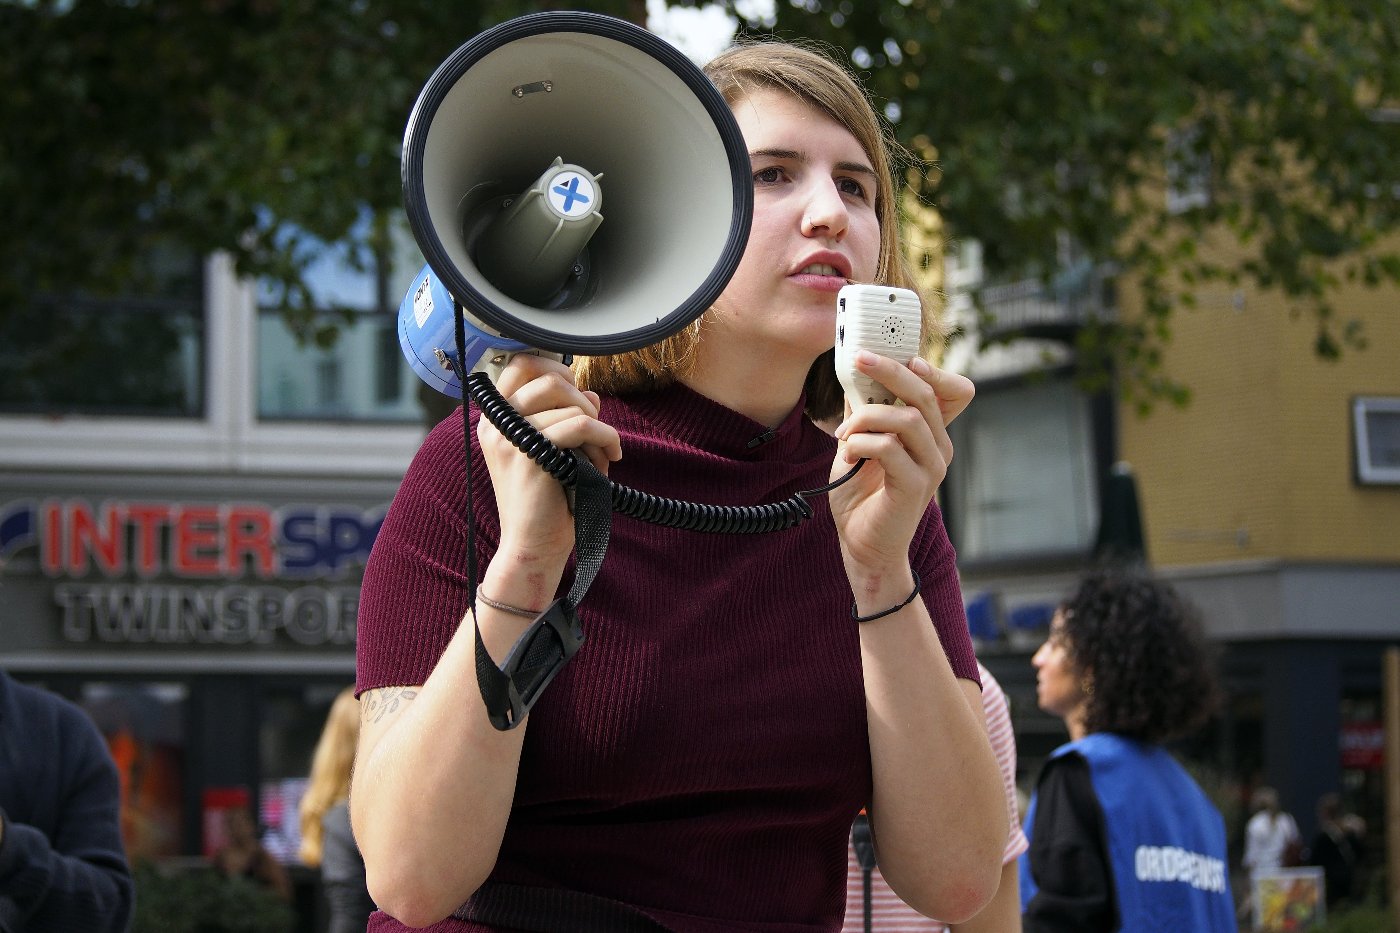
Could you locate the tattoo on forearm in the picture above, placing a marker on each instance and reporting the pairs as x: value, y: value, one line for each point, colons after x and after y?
x: 380, y: 703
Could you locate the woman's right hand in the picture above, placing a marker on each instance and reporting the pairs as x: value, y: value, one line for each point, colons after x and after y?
x: 534, y: 513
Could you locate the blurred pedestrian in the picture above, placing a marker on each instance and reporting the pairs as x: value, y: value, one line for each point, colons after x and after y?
x: 1271, y: 837
x: 887, y: 913
x: 326, y: 840
x: 1121, y: 837
x: 1334, y: 849
x: 62, y: 863
x: 243, y: 855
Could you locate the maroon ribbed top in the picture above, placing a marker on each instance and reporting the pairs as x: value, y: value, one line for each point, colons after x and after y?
x: 703, y: 755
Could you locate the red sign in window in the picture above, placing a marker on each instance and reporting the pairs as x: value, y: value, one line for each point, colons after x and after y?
x: 1363, y: 745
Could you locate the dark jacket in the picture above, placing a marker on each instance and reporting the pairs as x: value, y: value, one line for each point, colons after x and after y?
x: 62, y: 864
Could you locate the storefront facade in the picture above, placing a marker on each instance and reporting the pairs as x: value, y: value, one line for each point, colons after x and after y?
x: 182, y: 537
x: 206, y: 623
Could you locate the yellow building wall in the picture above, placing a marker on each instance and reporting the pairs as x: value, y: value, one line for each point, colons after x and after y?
x: 1259, y: 465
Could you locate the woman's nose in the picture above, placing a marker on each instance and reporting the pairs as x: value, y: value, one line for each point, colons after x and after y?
x: 826, y: 213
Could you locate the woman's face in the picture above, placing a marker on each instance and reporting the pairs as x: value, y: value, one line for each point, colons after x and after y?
x: 1057, y: 683
x: 814, y: 223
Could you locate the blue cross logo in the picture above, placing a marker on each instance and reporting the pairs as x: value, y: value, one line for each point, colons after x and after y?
x: 569, y: 193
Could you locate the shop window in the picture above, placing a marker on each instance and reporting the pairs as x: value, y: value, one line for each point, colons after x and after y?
x: 1023, y: 481
x: 138, y: 352
x: 346, y: 364
x: 144, y: 725
x: 1361, y: 748
x: 352, y: 379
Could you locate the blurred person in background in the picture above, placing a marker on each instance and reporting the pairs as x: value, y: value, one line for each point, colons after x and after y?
x: 243, y: 855
x: 1271, y: 838
x: 1336, y: 848
x: 62, y: 863
x: 326, y: 841
x: 1121, y: 837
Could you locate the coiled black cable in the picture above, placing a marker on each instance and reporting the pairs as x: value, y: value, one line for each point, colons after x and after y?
x: 656, y: 510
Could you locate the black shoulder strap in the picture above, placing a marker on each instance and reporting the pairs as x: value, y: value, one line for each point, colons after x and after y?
x: 555, y: 636
x: 510, y: 690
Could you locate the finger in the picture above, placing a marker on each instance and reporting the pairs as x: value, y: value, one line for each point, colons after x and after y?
x: 919, y: 429
x: 953, y: 390
x: 907, y: 385
x: 550, y: 390
x: 524, y: 367
x: 905, y: 447
x: 919, y: 383
x: 599, y: 457
x: 566, y: 428
x: 571, y: 428
x: 939, y: 395
x: 901, y: 471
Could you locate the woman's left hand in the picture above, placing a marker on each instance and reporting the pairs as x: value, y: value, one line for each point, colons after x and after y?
x: 908, y: 451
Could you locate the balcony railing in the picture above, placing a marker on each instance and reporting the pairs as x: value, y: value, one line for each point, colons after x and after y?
x: 1057, y: 309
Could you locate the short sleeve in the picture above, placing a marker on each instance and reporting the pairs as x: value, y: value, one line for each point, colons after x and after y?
x: 931, y: 555
x: 415, y: 588
x: 1003, y: 739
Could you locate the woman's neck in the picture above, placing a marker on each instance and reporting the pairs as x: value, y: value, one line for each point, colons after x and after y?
x: 764, y: 389
x: 1075, y: 723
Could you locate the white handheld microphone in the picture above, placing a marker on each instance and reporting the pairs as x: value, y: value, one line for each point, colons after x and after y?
x: 879, y: 318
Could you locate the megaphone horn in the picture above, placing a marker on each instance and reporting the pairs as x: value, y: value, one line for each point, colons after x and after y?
x: 508, y: 153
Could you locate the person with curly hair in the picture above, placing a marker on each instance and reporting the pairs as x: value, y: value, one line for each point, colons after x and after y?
x: 1121, y: 837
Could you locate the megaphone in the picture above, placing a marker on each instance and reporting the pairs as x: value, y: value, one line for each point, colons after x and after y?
x: 576, y: 185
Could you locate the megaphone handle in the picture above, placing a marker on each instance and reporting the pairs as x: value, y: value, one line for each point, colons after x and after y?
x: 494, y: 364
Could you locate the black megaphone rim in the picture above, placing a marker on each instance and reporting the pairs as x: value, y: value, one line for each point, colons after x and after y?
x: 445, y: 77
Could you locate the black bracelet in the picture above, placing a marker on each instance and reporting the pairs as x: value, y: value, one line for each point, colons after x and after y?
x: 893, y: 609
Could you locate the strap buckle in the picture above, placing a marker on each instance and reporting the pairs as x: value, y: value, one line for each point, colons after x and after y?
x: 534, y: 660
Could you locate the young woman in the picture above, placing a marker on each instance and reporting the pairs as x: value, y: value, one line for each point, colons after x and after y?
x: 1121, y: 837
x: 697, y: 765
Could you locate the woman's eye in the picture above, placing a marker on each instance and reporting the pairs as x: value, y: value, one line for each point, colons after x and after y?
x: 768, y: 176
x: 852, y: 187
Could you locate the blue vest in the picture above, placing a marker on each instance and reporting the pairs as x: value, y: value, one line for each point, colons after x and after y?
x: 1166, y: 840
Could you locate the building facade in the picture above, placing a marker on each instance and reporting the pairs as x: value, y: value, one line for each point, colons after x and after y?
x: 185, y: 564
x: 1272, y: 500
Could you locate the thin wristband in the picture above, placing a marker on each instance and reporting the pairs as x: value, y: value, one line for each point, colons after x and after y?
x: 893, y: 609
x: 504, y: 607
